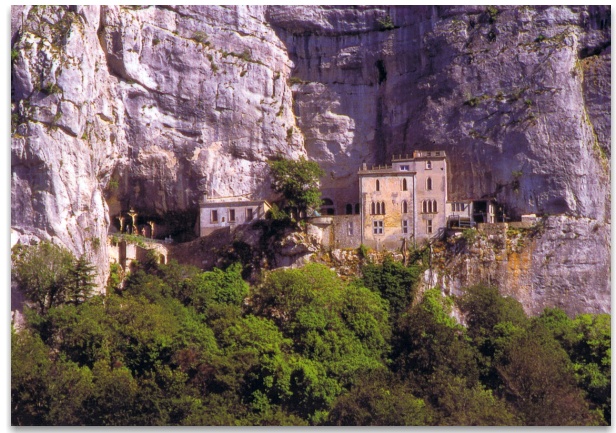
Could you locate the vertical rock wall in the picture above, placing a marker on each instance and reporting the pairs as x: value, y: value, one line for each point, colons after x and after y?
x: 150, y: 107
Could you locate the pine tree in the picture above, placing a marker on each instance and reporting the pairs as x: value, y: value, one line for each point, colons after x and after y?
x: 81, y: 283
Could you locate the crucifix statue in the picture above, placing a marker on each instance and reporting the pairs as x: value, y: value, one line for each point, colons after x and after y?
x: 133, y: 215
x: 121, y: 218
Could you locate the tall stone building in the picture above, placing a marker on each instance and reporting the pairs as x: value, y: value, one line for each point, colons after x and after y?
x: 403, y: 201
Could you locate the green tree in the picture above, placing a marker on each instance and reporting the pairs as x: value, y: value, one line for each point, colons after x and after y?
x: 492, y: 321
x: 459, y: 400
x: 587, y: 341
x: 379, y: 399
x: 337, y: 330
x: 81, y: 281
x: 428, y: 341
x: 298, y: 182
x: 30, y: 369
x: 43, y: 273
x: 393, y: 281
x: 538, y: 380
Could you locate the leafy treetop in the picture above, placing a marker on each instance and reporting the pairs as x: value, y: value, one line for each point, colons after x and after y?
x: 298, y: 182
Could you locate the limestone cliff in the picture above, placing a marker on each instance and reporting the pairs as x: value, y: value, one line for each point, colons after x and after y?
x: 149, y: 107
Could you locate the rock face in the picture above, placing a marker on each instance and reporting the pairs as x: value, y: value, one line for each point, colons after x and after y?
x: 150, y: 107
x: 559, y: 263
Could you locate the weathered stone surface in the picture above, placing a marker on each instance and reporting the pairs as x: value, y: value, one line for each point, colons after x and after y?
x: 561, y: 264
x: 151, y: 106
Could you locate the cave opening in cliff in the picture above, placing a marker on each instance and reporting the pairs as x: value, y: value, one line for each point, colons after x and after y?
x: 380, y: 66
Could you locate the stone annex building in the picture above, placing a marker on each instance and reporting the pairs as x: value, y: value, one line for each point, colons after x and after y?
x: 399, y: 204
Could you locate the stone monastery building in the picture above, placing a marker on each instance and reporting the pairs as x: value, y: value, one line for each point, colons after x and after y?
x: 398, y: 205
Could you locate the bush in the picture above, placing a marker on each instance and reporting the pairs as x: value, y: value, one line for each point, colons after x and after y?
x: 385, y: 23
x: 199, y: 37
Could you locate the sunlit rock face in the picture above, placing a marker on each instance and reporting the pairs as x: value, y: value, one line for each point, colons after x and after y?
x: 151, y: 107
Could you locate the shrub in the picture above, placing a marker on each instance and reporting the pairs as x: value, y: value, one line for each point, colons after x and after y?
x: 385, y: 23
x: 295, y: 80
x: 362, y: 251
x: 51, y: 89
x: 469, y: 235
x: 199, y: 37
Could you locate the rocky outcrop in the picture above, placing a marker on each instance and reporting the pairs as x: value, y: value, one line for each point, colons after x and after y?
x: 151, y: 106
x: 557, y: 263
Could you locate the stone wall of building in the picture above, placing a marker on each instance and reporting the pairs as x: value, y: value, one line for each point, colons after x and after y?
x: 345, y: 231
x: 388, y: 232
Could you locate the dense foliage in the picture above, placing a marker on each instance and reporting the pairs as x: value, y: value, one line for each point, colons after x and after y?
x: 175, y: 345
x: 298, y: 182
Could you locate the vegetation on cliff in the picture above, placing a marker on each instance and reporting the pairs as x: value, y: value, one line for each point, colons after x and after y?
x: 178, y: 346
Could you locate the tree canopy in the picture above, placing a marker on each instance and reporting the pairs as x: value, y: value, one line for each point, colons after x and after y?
x: 49, y: 275
x: 298, y: 182
x: 180, y: 346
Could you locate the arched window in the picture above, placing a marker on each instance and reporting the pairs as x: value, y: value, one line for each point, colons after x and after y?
x: 405, y: 207
x: 429, y: 184
x: 373, y: 210
x: 378, y: 185
x: 434, y: 210
x: 357, y: 208
x: 383, y: 208
x: 327, y: 207
x: 378, y: 208
x: 349, y: 209
x: 424, y: 206
x: 404, y: 185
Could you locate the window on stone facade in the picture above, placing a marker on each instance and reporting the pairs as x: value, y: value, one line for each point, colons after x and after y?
x: 429, y: 184
x: 357, y: 208
x: 404, y: 185
x: 350, y: 228
x: 231, y: 215
x: 377, y: 227
x: 349, y: 209
x: 382, y: 208
x: 373, y: 208
x: 405, y: 207
x: 378, y: 185
x: 214, y: 216
x: 249, y: 214
x: 404, y: 168
x: 429, y: 226
x: 428, y: 165
x: 405, y: 227
x: 429, y: 206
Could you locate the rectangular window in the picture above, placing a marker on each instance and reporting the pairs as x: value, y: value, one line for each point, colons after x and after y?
x: 428, y: 165
x: 405, y: 227
x: 249, y: 214
x: 404, y: 168
x: 214, y: 216
x: 231, y: 215
x: 429, y: 226
x: 350, y: 228
x: 377, y: 227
